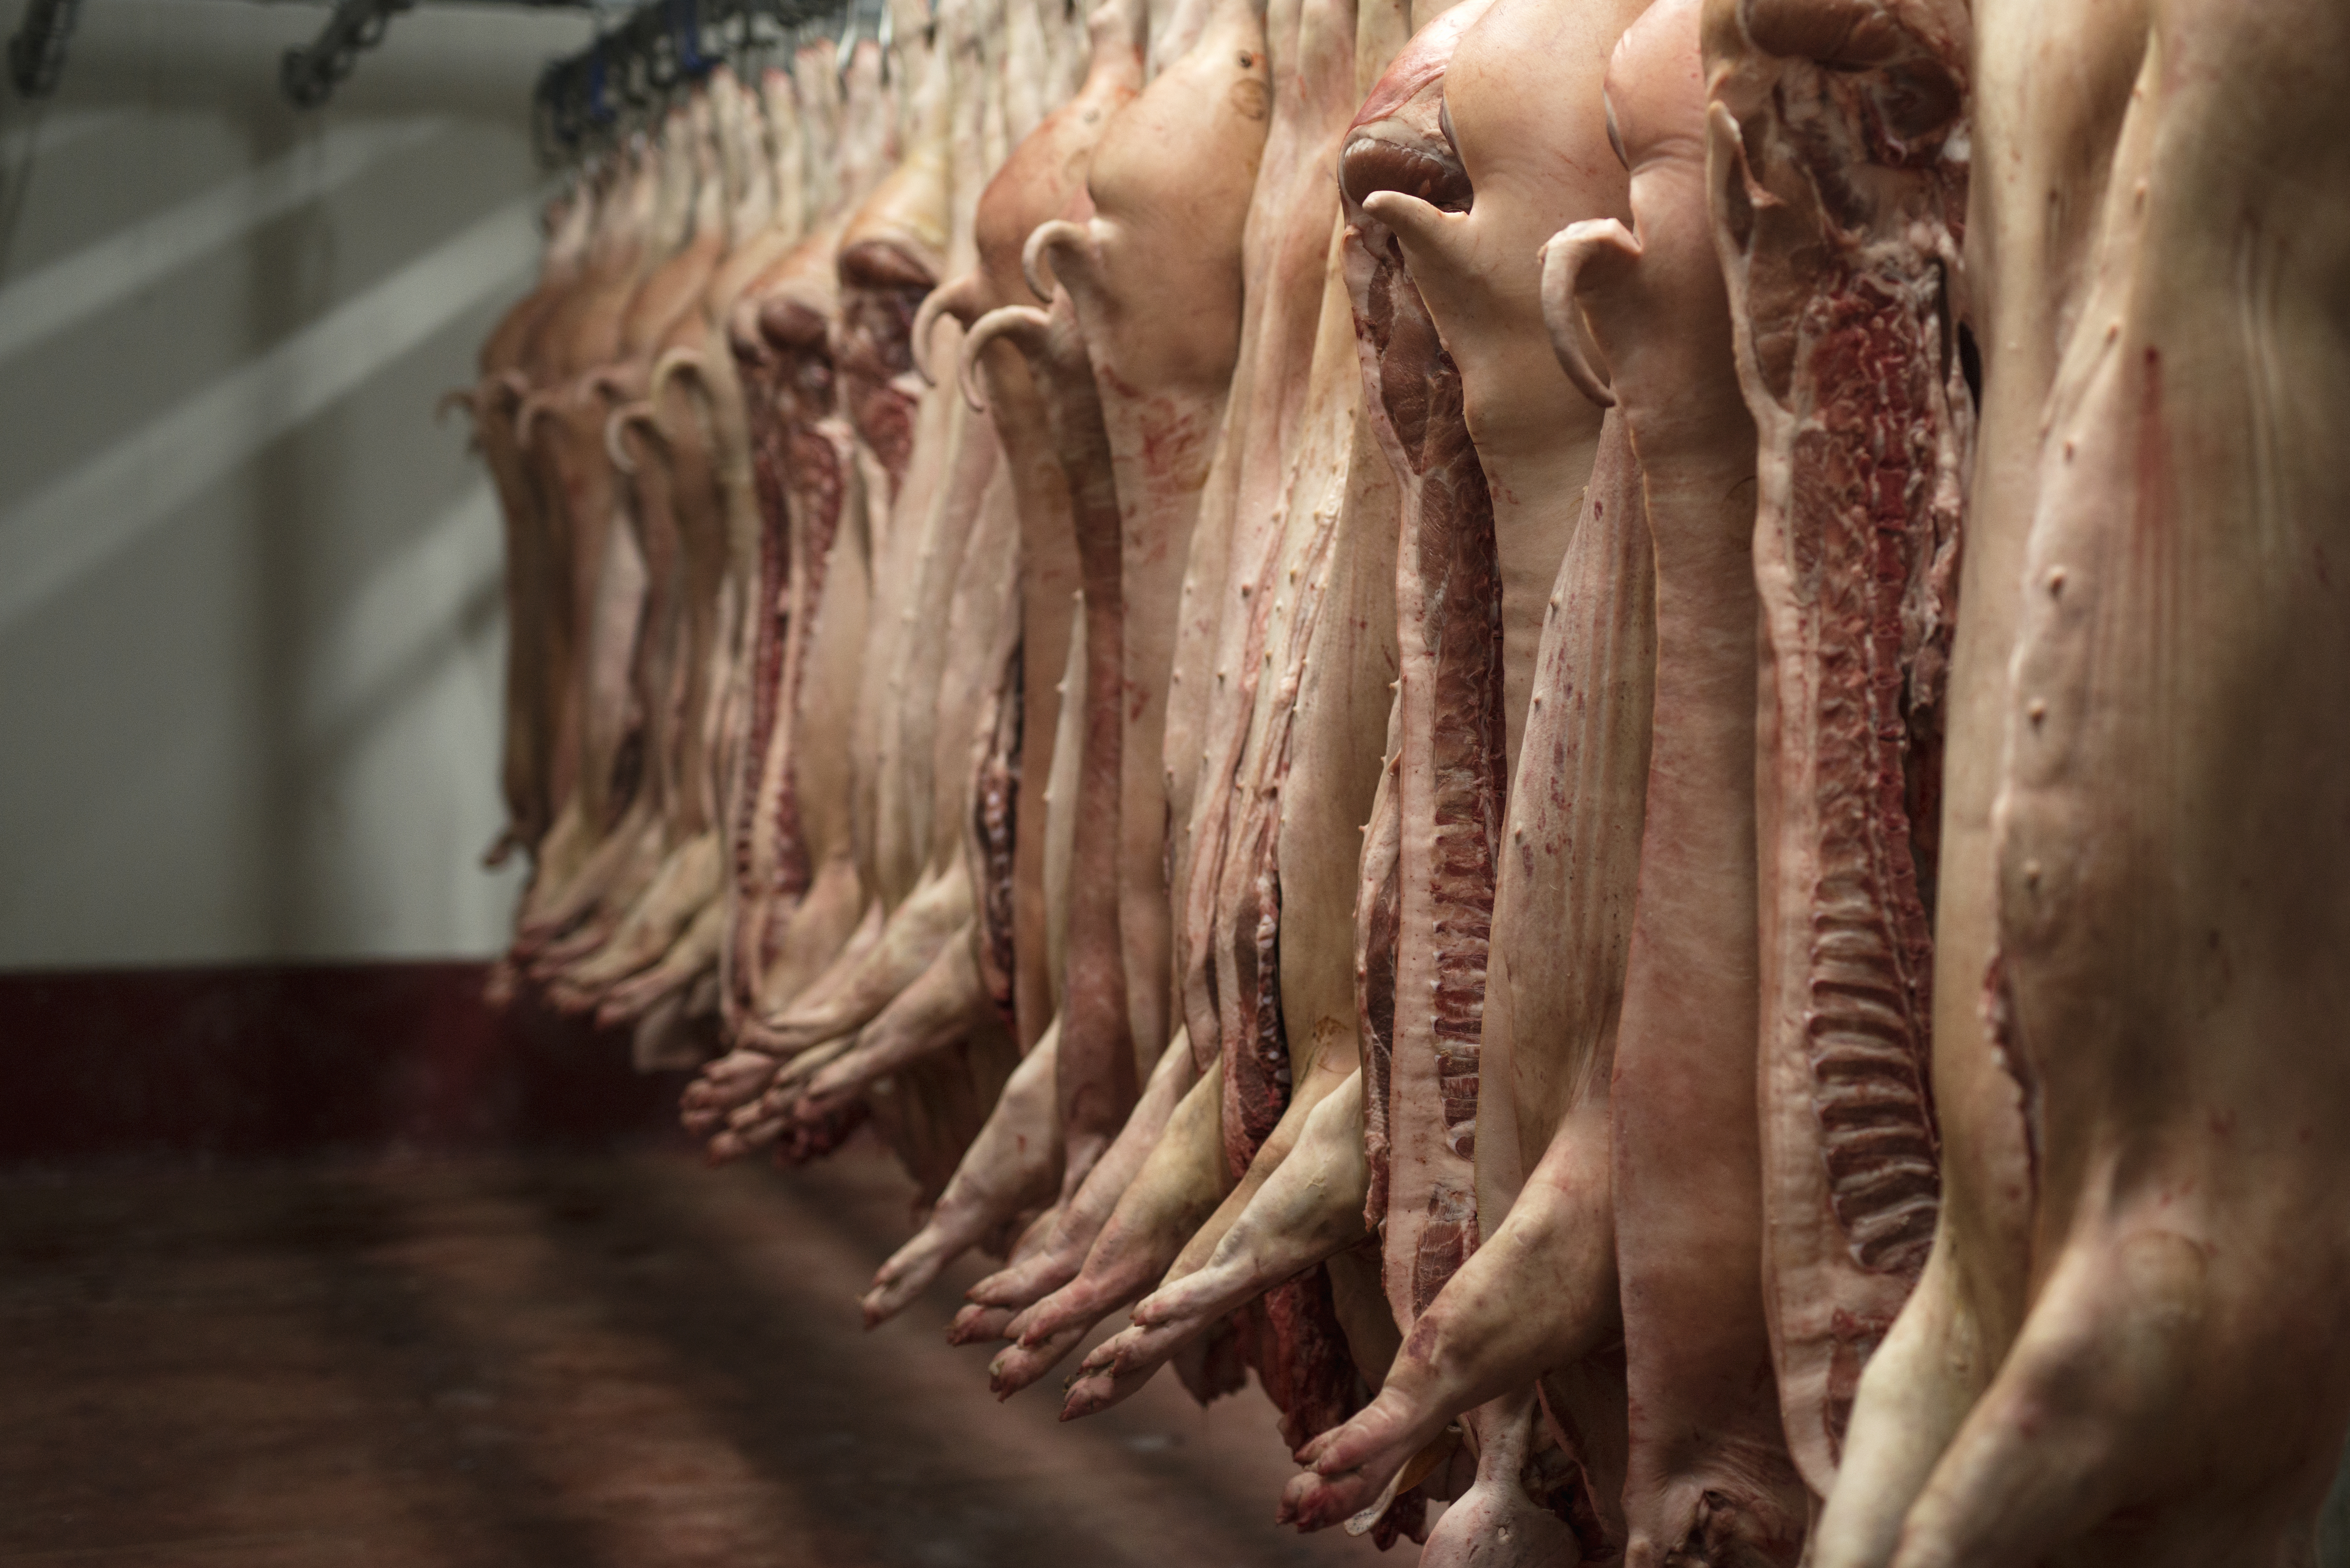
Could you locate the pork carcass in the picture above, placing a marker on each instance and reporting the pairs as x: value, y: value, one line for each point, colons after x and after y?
x: 530, y: 695
x: 1572, y: 829
x: 1218, y: 92
x: 635, y: 649
x: 1708, y: 1476
x: 2123, y: 1346
x: 1042, y: 177
x: 1231, y: 907
x: 1845, y: 146
x: 559, y: 428
x: 693, y: 462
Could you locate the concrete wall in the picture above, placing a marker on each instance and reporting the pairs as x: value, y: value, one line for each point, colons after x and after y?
x: 250, y: 629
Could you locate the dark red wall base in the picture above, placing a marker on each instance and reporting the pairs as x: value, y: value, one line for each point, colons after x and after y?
x: 268, y: 1061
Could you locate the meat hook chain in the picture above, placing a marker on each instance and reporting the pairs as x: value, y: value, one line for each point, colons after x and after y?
x: 630, y: 74
x: 37, y: 55
x: 307, y: 75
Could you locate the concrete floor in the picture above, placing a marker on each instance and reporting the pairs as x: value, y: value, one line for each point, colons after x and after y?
x: 572, y: 1361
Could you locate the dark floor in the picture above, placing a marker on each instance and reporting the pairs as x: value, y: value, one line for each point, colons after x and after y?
x: 572, y: 1361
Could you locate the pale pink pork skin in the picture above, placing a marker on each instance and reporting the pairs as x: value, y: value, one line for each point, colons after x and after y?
x: 1218, y: 91
x: 1708, y: 1477
x: 2123, y: 1347
x: 1309, y: 72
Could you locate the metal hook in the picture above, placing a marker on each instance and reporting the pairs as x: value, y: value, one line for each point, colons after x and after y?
x: 846, y: 49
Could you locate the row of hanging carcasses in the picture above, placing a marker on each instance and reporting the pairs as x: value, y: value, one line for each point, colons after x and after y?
x: 1309, y: 649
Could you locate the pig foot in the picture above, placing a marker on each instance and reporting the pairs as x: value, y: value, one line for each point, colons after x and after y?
x: 1129, y: 1359
x: 1021, y: 1364
x: 735, y: 1080
x: 976, y: 1324
x: 1308, y: 1208
x: 1013, y: 1163
x: 1350, y: 1467
x: 691, y: 957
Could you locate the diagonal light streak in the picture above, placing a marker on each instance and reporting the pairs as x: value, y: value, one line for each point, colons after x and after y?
x: 75, y: 288
x: 58, y: 130
x: 86, y: 516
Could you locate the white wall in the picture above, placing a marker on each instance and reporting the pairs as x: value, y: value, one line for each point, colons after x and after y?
x: 250, y: 630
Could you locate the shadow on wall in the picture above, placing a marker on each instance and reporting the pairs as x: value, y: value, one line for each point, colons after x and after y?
x: 248, y: 588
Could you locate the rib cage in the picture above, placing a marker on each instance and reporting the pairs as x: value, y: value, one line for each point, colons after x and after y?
x: 1864, y: 477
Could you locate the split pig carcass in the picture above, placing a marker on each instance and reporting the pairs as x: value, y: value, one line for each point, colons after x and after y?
x: 1360, y: 675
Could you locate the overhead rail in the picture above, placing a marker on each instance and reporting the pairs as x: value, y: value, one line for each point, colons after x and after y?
x: 629, y: 75
x: 37, y: 55
x: 623, y: 79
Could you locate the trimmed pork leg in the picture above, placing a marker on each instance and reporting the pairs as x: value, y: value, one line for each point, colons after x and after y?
x: 1013, y: 1166
x: 1842, y: 252
x: 2124, y: 1346
x: 1179, y: 1185
x: 1309, y: 1208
